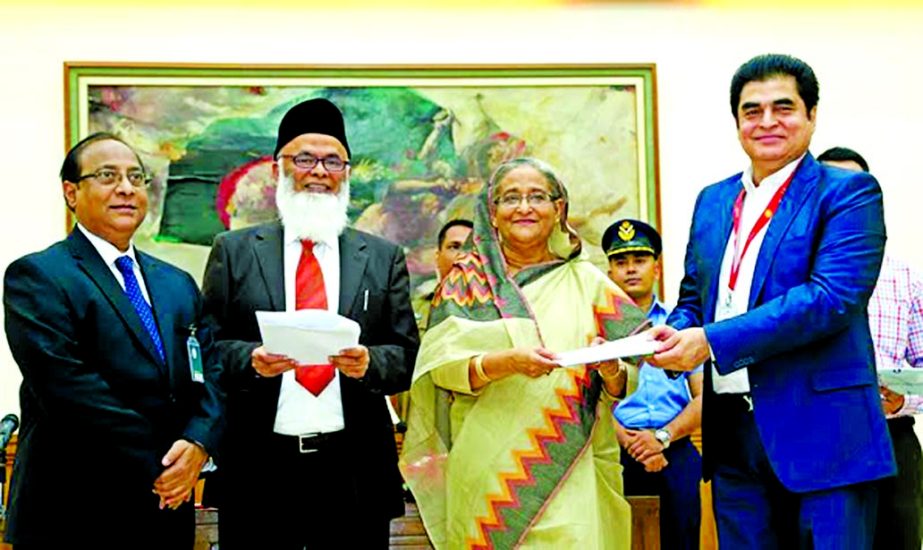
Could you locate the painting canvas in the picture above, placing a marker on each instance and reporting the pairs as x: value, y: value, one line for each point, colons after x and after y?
x: 424, y: 141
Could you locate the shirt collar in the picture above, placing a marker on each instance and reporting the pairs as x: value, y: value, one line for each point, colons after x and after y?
x: 772, y: 181
x: 656, y: 307
x: 107, y: 250
x: 289, y: 237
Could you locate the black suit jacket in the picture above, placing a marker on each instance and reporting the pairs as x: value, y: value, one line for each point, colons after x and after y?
x: 99, y: 407
x: 245, y: 274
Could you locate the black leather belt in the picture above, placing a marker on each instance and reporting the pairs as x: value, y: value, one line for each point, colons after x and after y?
x: 309, y: 443
x: 736, y: 402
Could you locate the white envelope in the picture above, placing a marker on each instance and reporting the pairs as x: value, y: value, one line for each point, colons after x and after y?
x: 630, y: 346
x: 308, y: 336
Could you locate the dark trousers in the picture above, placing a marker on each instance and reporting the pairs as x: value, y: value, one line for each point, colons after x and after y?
x: 135, y: 523
x: 297, y: 501
x: 677, y: 485
x: 754, y: 510
x: 900, y: 498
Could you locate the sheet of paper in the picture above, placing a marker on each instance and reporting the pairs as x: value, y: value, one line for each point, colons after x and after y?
x: 903, y: 381
x: 631, y: 346
x: 308, y: 336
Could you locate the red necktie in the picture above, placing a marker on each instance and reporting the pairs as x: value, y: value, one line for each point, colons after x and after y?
x: 311, y: 294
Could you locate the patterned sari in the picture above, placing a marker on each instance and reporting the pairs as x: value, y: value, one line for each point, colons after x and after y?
x: 523, y: 462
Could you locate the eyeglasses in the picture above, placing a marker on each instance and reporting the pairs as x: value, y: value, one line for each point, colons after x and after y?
x: 534, y: 200
x: 305, y: 161
x: 108, y: 177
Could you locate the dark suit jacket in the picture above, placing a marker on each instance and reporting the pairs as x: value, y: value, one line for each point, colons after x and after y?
x: 245, y: 274
x: 805, y: 339
x: 99, y: 408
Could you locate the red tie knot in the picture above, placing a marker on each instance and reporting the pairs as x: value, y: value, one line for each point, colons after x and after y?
x: 307, y: 247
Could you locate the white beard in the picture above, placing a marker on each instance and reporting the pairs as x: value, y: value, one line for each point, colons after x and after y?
x: 318, y: 217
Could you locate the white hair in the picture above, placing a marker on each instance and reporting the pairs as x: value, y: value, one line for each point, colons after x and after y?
x: 319, y: 217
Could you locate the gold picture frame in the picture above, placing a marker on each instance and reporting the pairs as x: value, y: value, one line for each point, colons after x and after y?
x: 423, y: 139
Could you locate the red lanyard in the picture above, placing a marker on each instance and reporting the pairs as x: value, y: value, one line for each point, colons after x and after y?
x: 757, y: 227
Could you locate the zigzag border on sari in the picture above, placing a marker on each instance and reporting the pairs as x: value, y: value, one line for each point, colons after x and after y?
x: 611, y: 314
x: 465, y: 284
x: 555, y: 448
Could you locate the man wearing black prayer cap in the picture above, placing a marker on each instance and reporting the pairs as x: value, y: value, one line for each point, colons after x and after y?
x: 309, y: 458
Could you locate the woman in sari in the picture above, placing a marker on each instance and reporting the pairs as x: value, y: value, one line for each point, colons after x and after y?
x: 504, y: 447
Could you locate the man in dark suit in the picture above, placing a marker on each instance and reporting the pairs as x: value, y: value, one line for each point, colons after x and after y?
x: 310, y: 458
x: 119, y: 410
x: 780, y: 265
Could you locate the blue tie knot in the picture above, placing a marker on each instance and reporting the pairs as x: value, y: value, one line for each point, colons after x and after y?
x: 124, y: 265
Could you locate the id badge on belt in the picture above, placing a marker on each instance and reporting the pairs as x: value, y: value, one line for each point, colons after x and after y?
x: 194, y: 351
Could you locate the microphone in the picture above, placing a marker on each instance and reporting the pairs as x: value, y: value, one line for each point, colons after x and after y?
x: 7, y: 426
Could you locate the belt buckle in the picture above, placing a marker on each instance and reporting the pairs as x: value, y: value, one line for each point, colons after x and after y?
x: 302, y: 440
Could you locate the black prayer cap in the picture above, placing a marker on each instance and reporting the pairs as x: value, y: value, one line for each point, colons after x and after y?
x: 314, y: 116
x: 628, y: 235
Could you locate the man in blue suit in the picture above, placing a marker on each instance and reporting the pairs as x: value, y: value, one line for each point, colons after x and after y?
x: 780, y: 264
x: 121, y: 405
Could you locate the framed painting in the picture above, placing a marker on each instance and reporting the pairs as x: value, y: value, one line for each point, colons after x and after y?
x: 424, y: 140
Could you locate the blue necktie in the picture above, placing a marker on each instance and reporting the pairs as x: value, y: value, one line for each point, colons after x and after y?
x: 133, y: 291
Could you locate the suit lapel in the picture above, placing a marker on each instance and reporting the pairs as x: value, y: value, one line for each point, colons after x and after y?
x: 89, y: 260
x: 724, y: 219
x: 268, y: 250
x: 353, y: 259
x: 802, y: 186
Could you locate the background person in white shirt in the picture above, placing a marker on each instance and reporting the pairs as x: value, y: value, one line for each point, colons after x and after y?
x: 896, y: 322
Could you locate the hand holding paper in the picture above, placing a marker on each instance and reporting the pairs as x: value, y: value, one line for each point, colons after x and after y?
x: 268, y: 364
x: 891, y: 402
x: 679, y: 350
x: 353, y: 362
x: 908, y: 381
x: 307, y: 336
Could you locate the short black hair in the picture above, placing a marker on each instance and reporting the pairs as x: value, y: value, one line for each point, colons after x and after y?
x: 843, y: 154
x: 763, y: 67
x: 449, y: 225
x: 70, y: 168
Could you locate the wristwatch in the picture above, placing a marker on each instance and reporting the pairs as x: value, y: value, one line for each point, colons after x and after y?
x: 664, y: 436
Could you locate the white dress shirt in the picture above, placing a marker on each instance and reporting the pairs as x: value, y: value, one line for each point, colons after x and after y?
x: 299, y: 412
x: 756, y: 200
x: 110, y: 254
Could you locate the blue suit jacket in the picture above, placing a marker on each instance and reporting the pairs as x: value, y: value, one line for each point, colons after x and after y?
x: 805, y: 339
x: 99, y: 407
